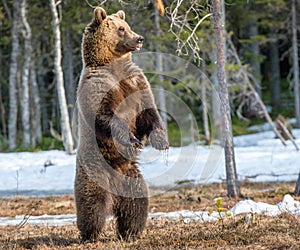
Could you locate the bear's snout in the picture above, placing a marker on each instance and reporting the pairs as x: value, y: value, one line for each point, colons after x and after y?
x: 140, y: 39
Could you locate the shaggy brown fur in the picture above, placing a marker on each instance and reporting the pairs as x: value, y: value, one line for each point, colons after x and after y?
x: 116, y: 112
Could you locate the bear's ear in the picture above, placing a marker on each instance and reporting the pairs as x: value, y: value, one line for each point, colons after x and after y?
x: 121, y: 14
x: 99, y: 15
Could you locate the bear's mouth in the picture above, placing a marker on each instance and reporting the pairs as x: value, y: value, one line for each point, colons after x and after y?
x: 138, y: 46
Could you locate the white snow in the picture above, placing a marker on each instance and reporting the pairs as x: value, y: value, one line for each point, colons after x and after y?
x: 24, y: 173
x: 48, y: 220
x: 288, y: 204
x: 259, y: 157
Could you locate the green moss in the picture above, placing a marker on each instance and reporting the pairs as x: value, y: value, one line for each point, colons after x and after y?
x: 174, y: 134
x: 239, y: 127
x: 48, y: 143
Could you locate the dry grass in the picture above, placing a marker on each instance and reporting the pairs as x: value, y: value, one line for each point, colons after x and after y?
x: 258, y: 232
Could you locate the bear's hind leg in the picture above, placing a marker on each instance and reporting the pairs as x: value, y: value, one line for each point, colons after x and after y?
x: 131, y: 215
x: 92, y: 210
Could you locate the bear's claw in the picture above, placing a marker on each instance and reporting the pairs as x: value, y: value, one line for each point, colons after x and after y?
x: 135, y: 143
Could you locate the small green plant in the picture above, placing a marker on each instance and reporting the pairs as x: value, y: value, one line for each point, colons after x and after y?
x: 221, y: 210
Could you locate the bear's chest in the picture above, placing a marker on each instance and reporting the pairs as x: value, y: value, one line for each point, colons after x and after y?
x: 128, y: 99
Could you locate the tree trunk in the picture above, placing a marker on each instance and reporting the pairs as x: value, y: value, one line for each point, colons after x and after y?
x: 3, y: 116
x: 25, y: 107
x: 253, y: 48
x: 204, y: 105
x: 216, y: 105
x: 275, y: 71
x: 295, y: 65
x: 65, y: 124
x: 36, y: 108
x: 297, y: 189
x: 233, y: 189
x: 159, y: 68
x: 296, y: 79
x: 204, y: 113
x: 43, y: 94
x: 13, y: 70
x: 69, y: 69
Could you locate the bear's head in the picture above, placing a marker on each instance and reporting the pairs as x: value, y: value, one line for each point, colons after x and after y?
x: 108, y: 37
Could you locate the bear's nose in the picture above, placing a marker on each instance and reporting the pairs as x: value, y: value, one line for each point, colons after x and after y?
x: 140, y: 39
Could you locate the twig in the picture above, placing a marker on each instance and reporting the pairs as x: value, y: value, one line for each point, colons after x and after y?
x: 191, y: 36
x: 28, y: 215
x: 181, y: 24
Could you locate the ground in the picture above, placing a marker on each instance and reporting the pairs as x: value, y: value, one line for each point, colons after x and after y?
x: 257, y: 232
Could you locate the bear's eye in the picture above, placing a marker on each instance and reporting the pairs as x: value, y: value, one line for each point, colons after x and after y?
x: 122, y: 29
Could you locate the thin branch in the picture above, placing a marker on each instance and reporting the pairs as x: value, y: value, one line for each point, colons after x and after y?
x: 196, y: 27
x: 7, y: 10
x: 181, y: 25
x: 58, y: 3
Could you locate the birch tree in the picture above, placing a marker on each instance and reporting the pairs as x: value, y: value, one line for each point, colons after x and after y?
x: 65, y: 124
x: 2, y: 114
x: 69, y: 76
x: 204, y: 105
x: 36, y: 127
x: 13, y: 70
x: 25, y: 107
x: 159, y: 64
x: 233, y: 189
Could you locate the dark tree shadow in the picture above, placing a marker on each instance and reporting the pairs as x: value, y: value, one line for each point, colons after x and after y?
x: 50, y: 240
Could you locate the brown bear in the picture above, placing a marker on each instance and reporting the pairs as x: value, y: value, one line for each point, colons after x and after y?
x: 116, y: 111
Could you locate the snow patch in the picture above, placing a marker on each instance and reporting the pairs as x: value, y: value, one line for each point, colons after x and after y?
x: 287, y: 205
x: 259, y: 157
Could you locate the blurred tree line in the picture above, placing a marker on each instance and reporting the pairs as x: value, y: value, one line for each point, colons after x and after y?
x: 30, y: 115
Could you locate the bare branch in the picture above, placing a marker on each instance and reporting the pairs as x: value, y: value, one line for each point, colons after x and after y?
x: 182, y: 25
x: 58, y: 3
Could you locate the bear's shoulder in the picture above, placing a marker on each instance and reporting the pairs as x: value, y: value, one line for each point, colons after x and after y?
x: 99, y: 81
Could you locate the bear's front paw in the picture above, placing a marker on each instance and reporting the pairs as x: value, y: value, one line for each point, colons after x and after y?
x: 159, y: 139
x: 131, y: 149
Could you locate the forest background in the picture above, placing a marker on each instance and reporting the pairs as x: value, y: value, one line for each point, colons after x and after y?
x: 259, y: 33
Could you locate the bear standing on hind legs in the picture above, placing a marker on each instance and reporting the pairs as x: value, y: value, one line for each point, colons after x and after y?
x: 116, y: 111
